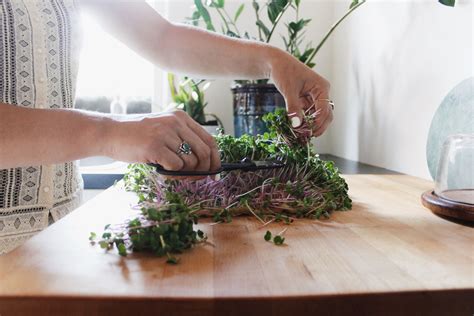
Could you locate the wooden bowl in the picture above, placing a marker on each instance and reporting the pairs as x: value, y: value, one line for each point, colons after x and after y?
x: 439, y: 206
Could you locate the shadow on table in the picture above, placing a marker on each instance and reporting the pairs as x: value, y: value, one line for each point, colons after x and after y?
x: 347, y: 166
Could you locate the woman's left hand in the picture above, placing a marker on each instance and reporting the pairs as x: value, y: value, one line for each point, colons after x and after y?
x: 302, y: 88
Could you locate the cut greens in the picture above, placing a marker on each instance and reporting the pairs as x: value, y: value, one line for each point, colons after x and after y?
x: 306, y: 187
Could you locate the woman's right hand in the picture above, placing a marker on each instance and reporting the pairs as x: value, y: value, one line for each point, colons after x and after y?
x: 156, y: 139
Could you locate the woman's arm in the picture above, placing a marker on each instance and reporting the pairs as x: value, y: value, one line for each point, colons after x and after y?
x: 193, y: 51
x: 46, y: 136
x: 40, y: 136
x: 181, y: 48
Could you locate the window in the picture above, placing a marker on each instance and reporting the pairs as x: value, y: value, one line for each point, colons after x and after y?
x: 111, y: 79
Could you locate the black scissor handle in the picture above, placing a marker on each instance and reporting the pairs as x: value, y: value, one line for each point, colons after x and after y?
x: 225, y: 166
x: 178, y: 173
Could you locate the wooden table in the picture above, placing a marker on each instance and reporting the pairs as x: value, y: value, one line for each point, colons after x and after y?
x: 388, y: 256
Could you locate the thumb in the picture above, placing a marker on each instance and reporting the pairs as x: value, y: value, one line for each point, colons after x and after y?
x: 295, y: 114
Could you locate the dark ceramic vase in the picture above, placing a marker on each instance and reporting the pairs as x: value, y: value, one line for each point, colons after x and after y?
x: 251, y: 103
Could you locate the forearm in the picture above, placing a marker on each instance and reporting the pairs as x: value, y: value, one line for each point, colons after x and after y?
x: 210, y: 55
x: 47, y: 136
x: 181, y: 48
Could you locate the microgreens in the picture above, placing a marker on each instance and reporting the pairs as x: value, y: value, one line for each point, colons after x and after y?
x: 268, y: 236
x: 278, y: 240
x: 306, y: 187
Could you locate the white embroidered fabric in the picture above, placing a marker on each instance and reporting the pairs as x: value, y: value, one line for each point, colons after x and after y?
x: 39, y: 57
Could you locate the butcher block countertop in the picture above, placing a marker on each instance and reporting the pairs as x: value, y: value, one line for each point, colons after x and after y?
x: 387, y: 256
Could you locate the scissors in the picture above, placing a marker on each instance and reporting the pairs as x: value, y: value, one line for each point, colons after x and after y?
x: 245, y: 165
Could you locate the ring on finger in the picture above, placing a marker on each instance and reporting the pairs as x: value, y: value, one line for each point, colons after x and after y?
x: 184, y: 149
x: 330, y: 102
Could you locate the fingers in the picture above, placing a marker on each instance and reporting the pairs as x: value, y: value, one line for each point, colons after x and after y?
x: 215, y: 161
x: 179, y: 161
x: 177, y: 127
x: 201, y: 153
x: 199, y: 140
x: 320, y: 128
x: 324, y: 117
x: 169, y: 159
x: 295, y: 111
x: 190, y: 162
x: 309, y: 96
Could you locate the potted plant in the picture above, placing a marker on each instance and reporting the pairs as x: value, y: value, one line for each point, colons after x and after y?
x: 252, y: 99
x: 188, y: 95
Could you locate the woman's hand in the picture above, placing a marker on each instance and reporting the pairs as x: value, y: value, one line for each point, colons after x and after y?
x: 157, y: 138
x: 302, y: 88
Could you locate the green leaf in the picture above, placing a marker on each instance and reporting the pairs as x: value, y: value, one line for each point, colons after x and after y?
x: 122, y: 250
x: 205, y: 15
x: 195, y: 96
x: 306, y: 54
x: 278, y: 240
x: 293, y: 26
x: 353, y: 3
x: 172, y: 86
x: 450, y: 3
x: 274, y: 8
x: 172, y: 259
x: 272, y: 12
x: 287, y: 45
x: 239, y: 12
x: 92, y: 236
x: 268, y: 236
x: 264, y: 29
x: 231, y: 34
x: 255, y: 5
x: 299, y: 25
x: 153, y: 214
x: 195, y: 18
x: 200, y: 234
x: 297, y: 3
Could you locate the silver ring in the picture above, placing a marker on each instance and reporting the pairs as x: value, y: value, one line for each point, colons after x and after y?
x: 184, y: 149
x: 330, y: 102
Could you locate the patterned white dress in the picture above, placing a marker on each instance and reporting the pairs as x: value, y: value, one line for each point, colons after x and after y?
x: 38, y: 66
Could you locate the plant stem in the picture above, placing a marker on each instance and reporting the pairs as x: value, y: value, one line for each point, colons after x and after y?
x: 223, y: 19
x: 259, y: 30
x: 311, y: 57
x: 231, y: 21
x: 293, y: 43
x: 172, y: 86
x: 253, y: 213
x: 278, y: 18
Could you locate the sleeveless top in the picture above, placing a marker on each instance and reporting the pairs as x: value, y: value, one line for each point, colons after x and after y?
x: 39, y: 56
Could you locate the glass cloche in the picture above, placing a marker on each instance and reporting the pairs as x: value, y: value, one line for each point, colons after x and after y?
x: 455, y: 177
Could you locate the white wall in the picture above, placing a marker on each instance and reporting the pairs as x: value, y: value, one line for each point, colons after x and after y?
x: 394, y: 61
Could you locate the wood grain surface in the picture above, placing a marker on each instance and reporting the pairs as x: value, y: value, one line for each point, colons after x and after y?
x: 388, y: 256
